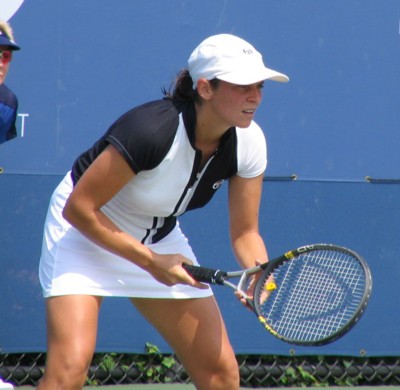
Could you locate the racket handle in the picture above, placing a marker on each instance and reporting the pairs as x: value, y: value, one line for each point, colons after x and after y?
x: 205, y: 275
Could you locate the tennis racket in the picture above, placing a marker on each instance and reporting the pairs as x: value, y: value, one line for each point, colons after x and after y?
x: 309, y: 296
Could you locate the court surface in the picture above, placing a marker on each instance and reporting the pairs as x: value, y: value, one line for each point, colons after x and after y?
x: 191, y: 387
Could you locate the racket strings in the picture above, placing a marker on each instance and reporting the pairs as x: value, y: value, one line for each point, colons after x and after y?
x: 318, y: 292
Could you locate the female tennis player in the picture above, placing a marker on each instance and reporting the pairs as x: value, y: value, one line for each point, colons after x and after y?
x: 112, y: 229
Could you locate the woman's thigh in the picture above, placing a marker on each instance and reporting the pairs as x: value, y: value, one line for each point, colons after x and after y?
x: 71, y: 328
x: 195, y: 330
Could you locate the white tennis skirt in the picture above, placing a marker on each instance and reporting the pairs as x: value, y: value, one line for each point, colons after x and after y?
x: 72, y: 264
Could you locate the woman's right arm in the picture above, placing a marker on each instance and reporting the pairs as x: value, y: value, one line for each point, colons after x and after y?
x: 105, y: 177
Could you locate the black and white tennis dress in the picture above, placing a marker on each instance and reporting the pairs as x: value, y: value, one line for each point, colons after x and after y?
x: 157, y: 141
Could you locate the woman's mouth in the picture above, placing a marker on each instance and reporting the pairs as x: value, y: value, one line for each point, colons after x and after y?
x: 249, y: 111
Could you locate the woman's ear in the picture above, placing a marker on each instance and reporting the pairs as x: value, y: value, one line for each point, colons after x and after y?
x: 204, y: 89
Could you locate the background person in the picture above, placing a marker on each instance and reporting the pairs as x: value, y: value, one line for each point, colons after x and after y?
x: 112, y: 229
x: 8, y: 100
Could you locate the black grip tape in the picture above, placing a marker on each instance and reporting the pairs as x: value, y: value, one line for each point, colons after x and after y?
x: 205, y: 275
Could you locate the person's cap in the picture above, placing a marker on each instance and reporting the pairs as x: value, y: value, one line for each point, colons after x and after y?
x: 6, y: 41
x: 232, y: 59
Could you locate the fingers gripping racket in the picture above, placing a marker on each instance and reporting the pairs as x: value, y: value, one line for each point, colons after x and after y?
x: 309, y: 296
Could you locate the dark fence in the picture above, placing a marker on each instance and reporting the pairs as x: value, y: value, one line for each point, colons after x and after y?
x: 255, y: 371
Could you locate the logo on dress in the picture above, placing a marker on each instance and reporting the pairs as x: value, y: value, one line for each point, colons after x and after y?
x: 217, y: 184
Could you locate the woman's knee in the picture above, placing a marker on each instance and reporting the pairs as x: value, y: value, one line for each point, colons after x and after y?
x: 226, y: 375
x: 66, y: 372
x: 220, y: 377
x: 77, y: 367
x: 218, y: 372
x: 71, y: 343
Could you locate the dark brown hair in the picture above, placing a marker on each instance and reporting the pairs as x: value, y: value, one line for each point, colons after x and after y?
x: 182, y: 89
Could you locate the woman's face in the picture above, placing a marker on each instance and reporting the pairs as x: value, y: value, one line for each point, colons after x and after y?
x: 235, y: 105
x: 4, y: 62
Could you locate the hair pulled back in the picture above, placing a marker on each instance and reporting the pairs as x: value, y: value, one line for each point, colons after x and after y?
x: 182, y: 89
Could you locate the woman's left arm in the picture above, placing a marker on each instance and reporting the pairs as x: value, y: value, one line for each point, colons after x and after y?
x: 244, y: 205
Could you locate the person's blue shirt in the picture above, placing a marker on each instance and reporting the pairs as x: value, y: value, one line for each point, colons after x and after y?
x: 8, y: 114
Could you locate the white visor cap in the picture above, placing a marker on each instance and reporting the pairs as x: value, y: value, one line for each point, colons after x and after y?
x: 232, y: 59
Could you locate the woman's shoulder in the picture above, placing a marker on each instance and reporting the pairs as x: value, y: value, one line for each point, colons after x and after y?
x: 162, y: 108
x: 149, y: 119
x: 145, y: 133
x: 252, y: 151
x: 253, y: 133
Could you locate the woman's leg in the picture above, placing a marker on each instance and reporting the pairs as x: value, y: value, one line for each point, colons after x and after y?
x: 196, y: 332
x: 71, y: 337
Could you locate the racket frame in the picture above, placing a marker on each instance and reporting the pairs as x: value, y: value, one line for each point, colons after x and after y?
x: 219, y: 277
x: 270, y: 267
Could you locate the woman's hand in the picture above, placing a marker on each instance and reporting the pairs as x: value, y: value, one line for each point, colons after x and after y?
x: 249, y: 292
x: 168, y: 270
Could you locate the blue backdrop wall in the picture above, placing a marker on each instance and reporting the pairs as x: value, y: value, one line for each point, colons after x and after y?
x: 336, y: 123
